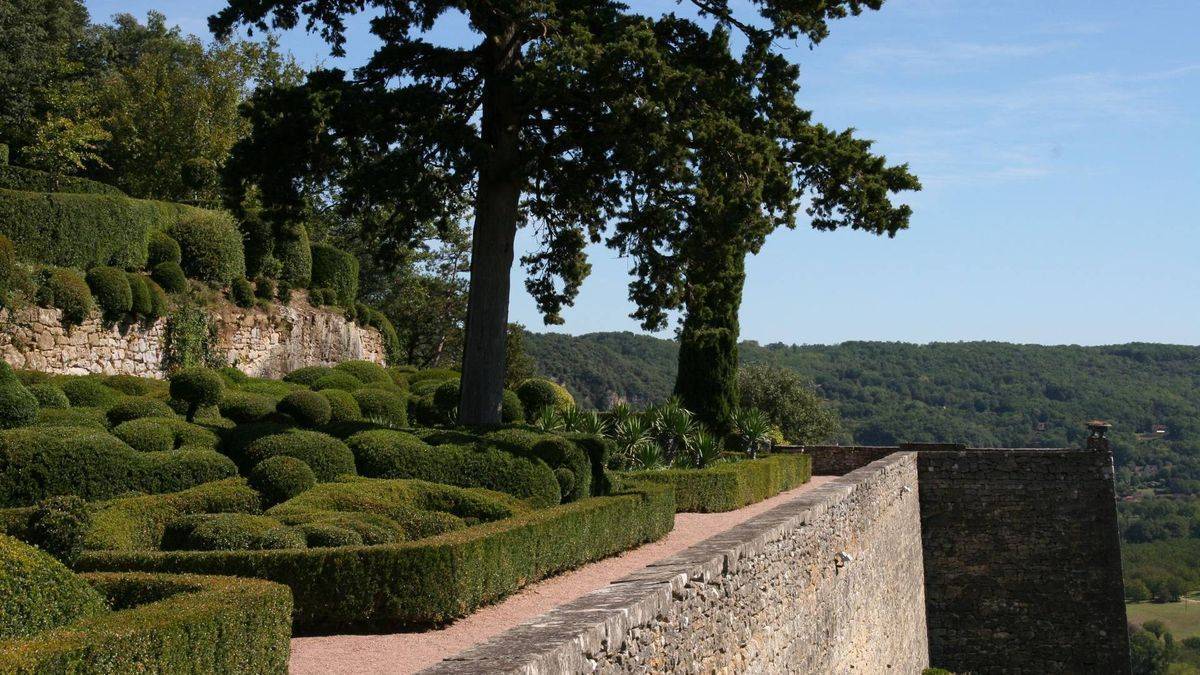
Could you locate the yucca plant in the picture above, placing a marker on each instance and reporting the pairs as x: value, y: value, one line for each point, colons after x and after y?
x: 630, y: 436
x: 706, y: 449
x: 618, y: 413
x: 649, y: 456
x: 570, y: 418
x: 753, y: 430
x: 548, y: 420
x: 674, y: 427
x: 590, y: 422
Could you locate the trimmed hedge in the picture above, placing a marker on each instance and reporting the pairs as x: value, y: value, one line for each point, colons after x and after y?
x: 110, y: 286
x: 555, y: 451
x: 511, y: 409
x: 537, y: 393
x: 307, y: 375
x: 147, y: 434
x: 137, y: 407
x: 91, y: 418
x: 325, y: 455
x: 139, y: 291
x: 382, y: 406
x: 38, y: 593
x: 132, y: 385
x: 335, y: 269
x: 169, y: 275
x: 240, y: 532
x: 198, y: 387
x: 731, y: 485
x: 342, y: 406
x: 435, y: 580
x: 18, y: 406
x: 88, y: 391
x: 367, y: 372
x: 280, y: 478
x: 295, y: 254
x: 309, y: 408
x: 242, y: 293
x: 66, y: 291
x: 34, y: 180
x: 244, y: 407
x: 394, y: 454
x: 162, y: 248
x: 170, y: 624
x: 338, y: 380
x: 140, y: 523
x: 49, y: 396
x: 212, y: 247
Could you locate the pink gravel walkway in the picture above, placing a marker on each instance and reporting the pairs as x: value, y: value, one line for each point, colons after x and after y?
x: 410, y: 652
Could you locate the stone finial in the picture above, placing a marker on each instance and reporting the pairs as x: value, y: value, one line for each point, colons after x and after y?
x: 1097, y: 430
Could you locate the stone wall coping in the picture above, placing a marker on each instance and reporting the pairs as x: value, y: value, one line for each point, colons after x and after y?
x: 559, y: 640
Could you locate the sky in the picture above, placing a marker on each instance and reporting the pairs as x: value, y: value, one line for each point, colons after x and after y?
x: 1059, y: 148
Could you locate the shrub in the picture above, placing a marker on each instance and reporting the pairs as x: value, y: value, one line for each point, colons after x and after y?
x: 38, y: 593
x: 308, y: 408
x: 445, y: 399
x: 49, y: 396
x: 557, y: 452
x: 337, y: 380
x: 284, y: 292
x: 731, y: 485
x: 424, y: 387
x: 325, y: 535
x: 511, y: 409
x: 367, y: 372
x: 64, y: 290
x: 160, y: 304
x: 197, y: 387
x: 342, y: 406
x: 110, y: 287
x: 136, y: 407
x: 241, y: 532
x: 295, y: 255
x: 280, y: 478
x: 139, y: 294
x: 598, y: 450
x: 131, y: 385
x: 211, y: 247
x: 162, y: 248
x: 9, y: 268
x: 242, y: 293
x: 243, y: 407
x: 433, y: 374
x: 233, y: 375
x: 537, y: 393
x: 325, y: 455
x: 18, y: 406
x: 264, y: 288
x: 382, y: 406
x: 436, y: 580
x: 399, y: 374
x: 146, y: 435
x: 88, y: 391
x: 142, y: 522
x: 307, y: 375
x: 34, y: 180
x: 394, y: 454
x: 422, y: 410
x: 90, y: 418
x: 336, y: 270
x: 58, y: 526
x: 169, y: 275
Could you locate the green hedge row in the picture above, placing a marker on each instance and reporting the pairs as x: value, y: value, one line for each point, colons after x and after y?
x: 435, y: 580
x: 32, y: 180
x: 86, y: 230
x: 731, y: 485
x: 166, y: 624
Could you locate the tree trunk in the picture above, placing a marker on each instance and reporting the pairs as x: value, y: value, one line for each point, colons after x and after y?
x: 498, y: 195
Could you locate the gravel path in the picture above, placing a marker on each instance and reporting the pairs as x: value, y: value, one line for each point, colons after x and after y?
x: 410, y: 652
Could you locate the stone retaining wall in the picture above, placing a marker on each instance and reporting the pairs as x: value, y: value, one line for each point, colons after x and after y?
x: 768, y: 596
x: 263, y: 342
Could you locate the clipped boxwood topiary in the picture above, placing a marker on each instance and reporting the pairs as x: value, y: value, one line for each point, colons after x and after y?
x: 342, y: 406
x: 59, y: 525
x: 537, y: 393
x: 383, y: 407
x: 146, y: 435
x: 18, y: 406
x: 197, y: 387
x: 110, y: 286
x: 326, y: 535
x: 367, y: 372
x: 511, y: 409
x: 244, y: 407
x: 336, y: 270
x: 445, y: 399
x: 211, y: 247
x: 422, y: 411
x: 338, y: 380
x: 88, y: 391
x: 325, y: 455
x: 307, y: 375
x: 160, y: 304
x: 433, y: 374
x: 89, y: 418
x: 66, y: 291
x: 136, y: 407
x: 139, y: 293
x: 49, y: 396
x: 162, y: 248
x: 242, y: 532
x: 132, y: 385
x: 170, y: 276
x: 555, y: 451
x: 280, y: 478
x: 309, y: 408
x: 38, y: 593
x: 295, y: 255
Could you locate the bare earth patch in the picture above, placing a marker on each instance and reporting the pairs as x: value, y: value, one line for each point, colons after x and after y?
x: 410, y: 652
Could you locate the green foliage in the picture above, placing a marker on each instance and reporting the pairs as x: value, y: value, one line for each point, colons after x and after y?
x: 88, y: 391
x: 160, y: 303
x: 599, y: 450
x: 731, y: 485
x: 284, y: 292
x: 211, y: 246
x: 325, y: 455
x: 367, y: 372
x: 382, y: 406
x: 136, y: 407
x: 789, y: 401
x: 511, y: 409
x: 162, y: 248
x: 33, y: 180
x: 131, y: 385
x: 242, y: 292
x: 241, y: 532
x: 264, y: 288
x: 65, y: 290
x: 394, y: 454
x: 12, y: 276
x: 342, y: 406
x: 445, y: 399
x: 49, y: 396
x: 309, y: 408
x: 295, y: 254
x: 337, y: 270
x: 280, y: 478
x: 337, y: 380
x: 170, y: 276
x: 539, y: 393
x: 141, y: 305
x: 171, y: 624
x: 555, y: 451
x: 324, y: 535
x: 244, y: 407
x: 707, y: 379
x: 197, y: 387
x: 58, y: 526
x: 141, y: 523
x: 307, y: 375
x: 18, y: 406
x: 146, y: 434
x: 431, y: 581
x: 38, y: 593
x: 92, y: 418
x: 110, y: 286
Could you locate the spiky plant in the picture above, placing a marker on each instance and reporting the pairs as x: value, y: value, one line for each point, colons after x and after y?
x: 590, y: 422
x: 674, y: 428
x: 630, y: 436
x: 753, y: 430
x: 706, y: 449
x: 649, y: 456
x: 548, y: 420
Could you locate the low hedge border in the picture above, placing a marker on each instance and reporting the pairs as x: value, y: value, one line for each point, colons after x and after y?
x: 166, y: 624
x: 434, y: 580
x: 731, y: 485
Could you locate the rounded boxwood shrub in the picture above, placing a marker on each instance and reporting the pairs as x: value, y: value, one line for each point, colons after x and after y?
x: 38, y: 593
x: 280, y: 478
x: 160, y: 304
x: 537, y: 393
x: 67, y: 292
x: 211, y: 247
x: 445, y: 398
x: 88, y: 391
x: 511, y: 409
x: 146, y: 434
x: 309, y: 408
x: 423, y: 411
x: 295, y: 255
x: 337, y: 380
x: 242, y: 532
x: 325, y: 535
x: 382, y: 406
x: 325, y: 455
x: 242, y: 293
x: 162, y: 248
x: 335, y: 270
x: 197, y: 387
x: 132, y: 385
x: 244, y: 407
x: 110, y: 287
x: 555, y: 451
x: 367, y: 372
x: 307, y: 375
x: 18, y: 406
x: 233, y: 375
x: 91, y: 418
x: 139, y: 293
x: 342, y: 406
x: 136, y: 407
x: 58, y: 526
x: 170, y: 276
x: 433, y: 374
x: 49, y: 396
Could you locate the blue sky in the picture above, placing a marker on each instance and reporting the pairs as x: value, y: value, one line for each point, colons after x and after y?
x: 1059, y: 146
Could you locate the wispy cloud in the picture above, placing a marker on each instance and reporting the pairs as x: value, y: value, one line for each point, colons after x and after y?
x: 950, y: 56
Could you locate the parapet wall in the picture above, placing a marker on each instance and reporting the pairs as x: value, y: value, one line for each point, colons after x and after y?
x: 768, y: 596
x: 262, y: 342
